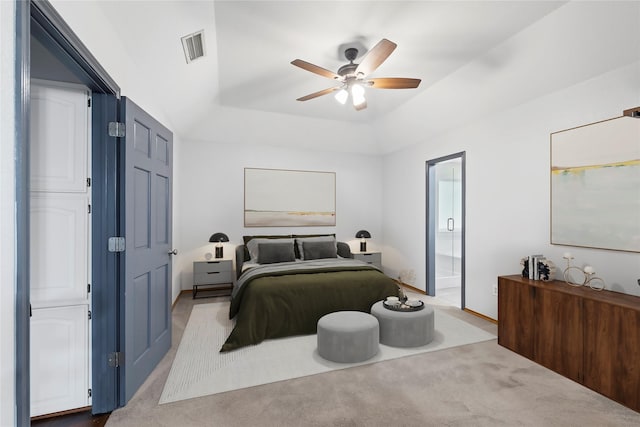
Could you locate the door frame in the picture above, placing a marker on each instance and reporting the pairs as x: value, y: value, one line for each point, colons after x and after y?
x: 40, y: 17
x: 431, y: 223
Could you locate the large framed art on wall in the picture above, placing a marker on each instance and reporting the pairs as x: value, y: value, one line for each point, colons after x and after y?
x: 595, y: 185
x: 285, y: 198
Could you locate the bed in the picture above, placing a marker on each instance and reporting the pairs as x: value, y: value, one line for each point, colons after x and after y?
x: 286, y: 284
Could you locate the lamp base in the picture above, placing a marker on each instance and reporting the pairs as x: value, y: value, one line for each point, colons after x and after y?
x: 219, y: 252
x: 363, y: 246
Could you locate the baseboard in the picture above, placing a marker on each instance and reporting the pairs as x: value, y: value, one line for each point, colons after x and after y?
x: 482, y: 316
x: 61, y: 413
x: 184, y: 291
x: 411, y: 288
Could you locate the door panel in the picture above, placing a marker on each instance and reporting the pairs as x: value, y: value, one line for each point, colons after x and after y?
x: 147, y: 298
x: 59, y: 362
x: 59, y: 130
x: 59, y: 248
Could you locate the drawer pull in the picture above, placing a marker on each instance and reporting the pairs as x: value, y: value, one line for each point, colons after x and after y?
x: 213, y: 262
x: 213, y: 272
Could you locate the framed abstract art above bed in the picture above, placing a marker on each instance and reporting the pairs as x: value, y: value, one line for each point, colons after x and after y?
x: 289, y: 198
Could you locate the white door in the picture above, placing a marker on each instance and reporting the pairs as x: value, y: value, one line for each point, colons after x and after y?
x: 60, y: 223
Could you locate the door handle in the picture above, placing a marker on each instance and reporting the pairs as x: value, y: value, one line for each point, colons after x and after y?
x: 173, y: 252
x: 450, y: 224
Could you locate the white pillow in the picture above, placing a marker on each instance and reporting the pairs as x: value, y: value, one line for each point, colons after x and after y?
x: 299, y: 241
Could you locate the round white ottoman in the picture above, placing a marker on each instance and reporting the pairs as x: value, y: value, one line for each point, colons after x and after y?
x: 404, y: 328
x: 348, y: 336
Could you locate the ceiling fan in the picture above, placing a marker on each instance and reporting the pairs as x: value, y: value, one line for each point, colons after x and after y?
x: 353, y: 77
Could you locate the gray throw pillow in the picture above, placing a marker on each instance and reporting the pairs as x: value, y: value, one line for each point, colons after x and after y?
x: 319, y: 250
x: 269, y: 253
x: 301, y: 240
x: 252, y: 245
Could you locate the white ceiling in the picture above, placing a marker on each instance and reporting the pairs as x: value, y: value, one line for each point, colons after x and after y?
x: 455, y: 47
x: 258, y: 40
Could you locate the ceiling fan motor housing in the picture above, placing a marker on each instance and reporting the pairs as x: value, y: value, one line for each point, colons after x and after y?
x: 351, y: 54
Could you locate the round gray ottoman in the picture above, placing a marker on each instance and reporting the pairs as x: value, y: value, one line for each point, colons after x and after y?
x: 404, y: 328
x: 348, y: 336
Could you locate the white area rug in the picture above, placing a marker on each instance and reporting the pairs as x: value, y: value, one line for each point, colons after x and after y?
x: 199, y: 369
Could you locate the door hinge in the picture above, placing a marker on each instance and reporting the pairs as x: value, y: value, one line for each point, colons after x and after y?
x: 115, y: 359
x: 89, y: 314
x: 116, y: 129
x: 89, y: 393
x: 89, y: 102
x: 88, y: 182
x: 116, y: 244
x: 88, y: 288
x: 89, y: 208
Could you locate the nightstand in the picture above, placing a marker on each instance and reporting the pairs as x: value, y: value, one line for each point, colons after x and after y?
x: 374, y: 258
x: 214, y: 275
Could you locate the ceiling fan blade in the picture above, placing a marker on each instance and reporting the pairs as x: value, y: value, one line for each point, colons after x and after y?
x: 375, y: 57
x: 317, y: 94
x: 315, y: 69
x: 393, y: 83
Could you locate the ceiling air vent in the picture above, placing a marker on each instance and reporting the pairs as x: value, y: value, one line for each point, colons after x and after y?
x: 193, y: 46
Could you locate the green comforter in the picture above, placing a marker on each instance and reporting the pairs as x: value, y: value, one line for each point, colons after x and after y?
x: 283, y: 300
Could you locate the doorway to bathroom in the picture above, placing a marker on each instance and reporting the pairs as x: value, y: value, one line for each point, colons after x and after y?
x: 445, y: 228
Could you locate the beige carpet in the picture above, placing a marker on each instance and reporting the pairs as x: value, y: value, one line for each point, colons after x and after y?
x: 199, y: 369
x: 475, y: 385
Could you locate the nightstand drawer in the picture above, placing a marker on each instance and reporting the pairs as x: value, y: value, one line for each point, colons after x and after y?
x: 374, y: 258
x: 215, y: 276
x: 211, y: 266
x: 212, y: 277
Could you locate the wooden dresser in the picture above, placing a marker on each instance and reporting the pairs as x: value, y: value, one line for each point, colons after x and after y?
x: 588, y: 336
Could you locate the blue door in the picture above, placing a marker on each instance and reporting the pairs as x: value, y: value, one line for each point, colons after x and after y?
x: 147, y: 288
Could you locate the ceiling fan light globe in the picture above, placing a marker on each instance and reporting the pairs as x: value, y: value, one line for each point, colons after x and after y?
x: 341, y: 96
x: 357, y: 95
x: 358, y: 100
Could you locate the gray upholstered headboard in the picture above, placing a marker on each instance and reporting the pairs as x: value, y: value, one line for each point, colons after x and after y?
x: 343, y: 250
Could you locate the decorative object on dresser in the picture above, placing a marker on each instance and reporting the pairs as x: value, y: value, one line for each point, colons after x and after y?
x: 214, y: 277
x: 373, y: 258
x: 589, y: 337
x: 218, y: 238
x: 363, y: 235
x: 576, y: 276
x: 537, y: 267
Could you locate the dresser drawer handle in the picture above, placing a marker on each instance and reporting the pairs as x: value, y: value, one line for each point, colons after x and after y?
x: 213, y: 262
x: 213, y: 272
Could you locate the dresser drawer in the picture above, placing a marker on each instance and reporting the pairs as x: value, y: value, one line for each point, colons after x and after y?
x: 211, y: 266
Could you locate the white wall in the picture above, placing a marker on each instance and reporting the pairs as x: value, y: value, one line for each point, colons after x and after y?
x: 507, y: 194
x: 211, y: 195
x: 105, y: 45
x: 7, y: 214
